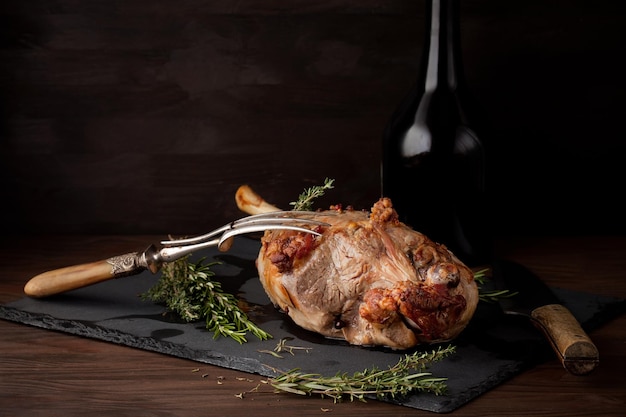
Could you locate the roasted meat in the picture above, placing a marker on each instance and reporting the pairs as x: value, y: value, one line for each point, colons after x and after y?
x: 369, y: 278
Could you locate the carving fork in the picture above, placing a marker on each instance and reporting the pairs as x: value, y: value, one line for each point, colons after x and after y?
x: 72, y: 277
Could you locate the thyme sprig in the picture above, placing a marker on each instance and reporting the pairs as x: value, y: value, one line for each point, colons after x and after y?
x: 405, y: 377
x: 305, y: 199
x: 186, y: 288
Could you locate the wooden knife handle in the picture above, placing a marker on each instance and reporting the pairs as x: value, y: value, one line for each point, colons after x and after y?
x: 72, y: 277
x: 575, y: 349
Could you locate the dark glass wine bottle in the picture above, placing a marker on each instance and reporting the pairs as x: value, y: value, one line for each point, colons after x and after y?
x: 434, y: 163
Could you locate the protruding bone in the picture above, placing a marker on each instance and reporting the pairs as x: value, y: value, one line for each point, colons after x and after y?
x: 250, y: 202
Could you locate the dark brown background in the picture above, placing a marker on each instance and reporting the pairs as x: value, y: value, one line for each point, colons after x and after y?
x: 137, y: 116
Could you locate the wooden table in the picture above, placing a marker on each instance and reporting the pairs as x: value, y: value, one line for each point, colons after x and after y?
x: 47, y: 373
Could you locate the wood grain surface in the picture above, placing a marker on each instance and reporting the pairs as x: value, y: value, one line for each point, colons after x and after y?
x: 43, y: 372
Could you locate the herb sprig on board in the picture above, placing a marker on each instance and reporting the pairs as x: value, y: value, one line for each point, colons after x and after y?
x: 489, y: 296
x: 407, y: 376
x: 186, y: 288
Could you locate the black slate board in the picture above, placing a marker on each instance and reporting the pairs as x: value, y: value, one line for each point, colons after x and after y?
x: 492, y: 349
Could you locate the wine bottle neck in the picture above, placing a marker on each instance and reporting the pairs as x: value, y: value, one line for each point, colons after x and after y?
x: 441, y: 56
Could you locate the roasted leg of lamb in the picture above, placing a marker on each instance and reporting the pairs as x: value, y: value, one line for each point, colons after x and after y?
x: 368, y: 279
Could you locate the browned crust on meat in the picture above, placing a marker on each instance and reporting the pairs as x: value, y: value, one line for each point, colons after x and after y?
x: 384, y: 213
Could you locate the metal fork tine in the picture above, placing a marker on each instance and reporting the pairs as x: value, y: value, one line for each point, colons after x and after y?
x: 264, y: 220
x: 260, y: 228
x: 175, y: 249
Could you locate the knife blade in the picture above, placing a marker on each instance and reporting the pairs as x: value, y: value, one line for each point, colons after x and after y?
x: 531, y: 297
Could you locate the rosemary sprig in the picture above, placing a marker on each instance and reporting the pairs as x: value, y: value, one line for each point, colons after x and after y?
x: 282, y: 346
x: 489, y: 296
x: 405, y: 377
x: 305, y: 200
x: 186, y: 288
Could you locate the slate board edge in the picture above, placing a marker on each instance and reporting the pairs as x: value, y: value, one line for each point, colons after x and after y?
x: 101, y: 333
x: 436, y: 405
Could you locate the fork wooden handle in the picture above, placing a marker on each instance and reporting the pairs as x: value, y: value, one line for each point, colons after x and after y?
x: 72, y: 277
